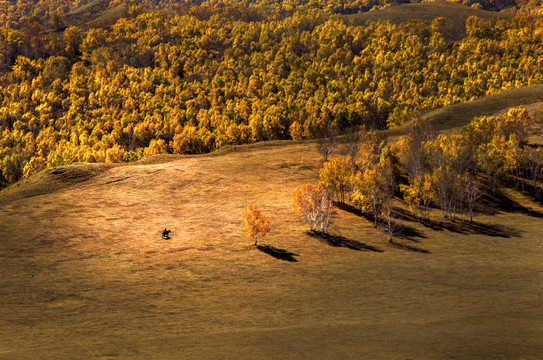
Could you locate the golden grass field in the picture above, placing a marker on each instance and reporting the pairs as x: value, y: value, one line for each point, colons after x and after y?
x: 85, y: 273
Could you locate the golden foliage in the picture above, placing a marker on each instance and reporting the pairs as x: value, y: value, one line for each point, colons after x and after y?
x: 193, y: 81
x: 337, y: 174
x: 255, y: 223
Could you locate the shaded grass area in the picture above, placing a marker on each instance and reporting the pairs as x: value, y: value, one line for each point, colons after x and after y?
x: 340, y: 241
x: 353, y: 210
x: 277, y: 253
x: 526, y: 187
x: 404, y: 231
x: 473, y: 228
x: 409, y: 233
x: 501, y: 202
x: 407, y: 247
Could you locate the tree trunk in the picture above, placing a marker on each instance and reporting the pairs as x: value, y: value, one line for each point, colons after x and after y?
x: 329, y: 213
x: 322, y: 223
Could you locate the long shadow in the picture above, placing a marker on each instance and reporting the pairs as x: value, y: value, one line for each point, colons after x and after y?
x: 408, y: 247
x: 353, y: 210
x: 534, y: 193
x: 496, y: 230
x: 340, y: 241
x: 404, y: 231
x: 402, y: 214
x: 409, y: 233
x: 503, y: 203
x: 277, y: 253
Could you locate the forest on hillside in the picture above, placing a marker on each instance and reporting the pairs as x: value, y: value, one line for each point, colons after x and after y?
x: 17, y: 13
x: 196, y: 78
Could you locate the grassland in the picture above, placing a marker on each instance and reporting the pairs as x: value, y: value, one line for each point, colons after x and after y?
x: 86, y: 275
x: 95, y: 14
x: 84, y: 272
x: 452, y: 118
x: 454, y: 14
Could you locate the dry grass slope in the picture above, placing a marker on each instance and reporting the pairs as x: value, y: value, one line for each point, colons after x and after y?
x: 455, y: 15
x: 452, y: 118
x: 96, y: 13
x: 85, y: 274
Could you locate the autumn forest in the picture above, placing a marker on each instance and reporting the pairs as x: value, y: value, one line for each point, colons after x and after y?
x: 193, y: 79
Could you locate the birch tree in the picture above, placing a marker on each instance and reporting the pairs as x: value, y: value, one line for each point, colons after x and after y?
x: 419, y: 196
x: 313, y: 204
x: 390, y: 223
x: 370, y: 192
x: 472, y: 187
x: 336, y: 173
x: 255, y: 223
x: 533, y: 159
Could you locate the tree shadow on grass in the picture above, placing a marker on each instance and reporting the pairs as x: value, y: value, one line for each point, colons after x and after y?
x: 474, y: 228
x: 533, y: 193
x: 503, y: 203
x: 277, y: 253
x: 402, y: 214
x: 353, y: 210
x: 340, y: 241
x: 525, y: 187
x: 408, y: 247
x: 404, y: 231
x: 409, y: 233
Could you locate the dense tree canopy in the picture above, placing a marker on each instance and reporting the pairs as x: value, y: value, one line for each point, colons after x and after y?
x: 195, y: 79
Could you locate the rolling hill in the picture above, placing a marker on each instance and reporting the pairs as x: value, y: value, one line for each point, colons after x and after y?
x: 85, y: 273
x: 452, y: 118
x: 95, y: 14
x: 455, y: 16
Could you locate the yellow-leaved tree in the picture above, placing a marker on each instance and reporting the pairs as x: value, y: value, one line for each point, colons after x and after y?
x: 419, y: 195
x: 370, y: 191
x: 255, y: 223
x: 337, y: 174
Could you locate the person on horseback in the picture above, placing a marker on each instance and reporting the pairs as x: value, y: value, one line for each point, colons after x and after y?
x: 166, y: 233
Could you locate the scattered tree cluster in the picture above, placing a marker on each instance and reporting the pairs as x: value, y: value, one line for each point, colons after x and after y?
x: 426, y: 170
x: 313, y: 204
x: 453, y: 172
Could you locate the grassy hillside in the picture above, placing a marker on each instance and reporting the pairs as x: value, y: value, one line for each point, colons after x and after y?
x: 454, y: 14
x: 453, y: 117
x: 95, y: 14
x: 85, y: 273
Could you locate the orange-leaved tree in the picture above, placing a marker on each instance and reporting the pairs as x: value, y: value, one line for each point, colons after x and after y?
x: 255, y: 223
